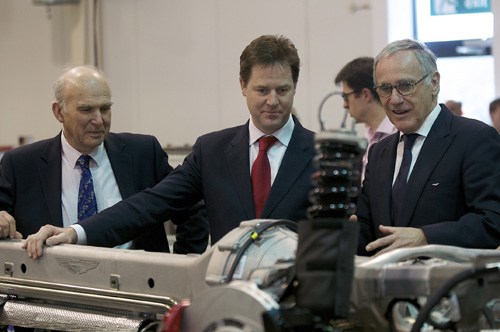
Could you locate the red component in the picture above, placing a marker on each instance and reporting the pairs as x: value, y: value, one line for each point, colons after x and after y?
x: 172, y: 319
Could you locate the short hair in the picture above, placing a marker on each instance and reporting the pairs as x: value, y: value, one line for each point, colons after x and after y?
x: 423, y: 54
x: 59, y: 83
x: 268, y: 50
x: 358, y: 74
x: 494, y: 104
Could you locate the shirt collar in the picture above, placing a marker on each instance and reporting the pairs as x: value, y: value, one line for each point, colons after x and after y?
x: 428, y: 122
x: 284, y: 134
x: 73, y: 154
x: 385, y: 127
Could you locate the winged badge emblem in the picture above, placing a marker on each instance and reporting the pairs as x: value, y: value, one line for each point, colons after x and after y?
x: 77, y: 266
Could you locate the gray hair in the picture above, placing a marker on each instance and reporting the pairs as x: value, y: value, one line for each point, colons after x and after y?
x: 423, y: 54
x: 59, y: 83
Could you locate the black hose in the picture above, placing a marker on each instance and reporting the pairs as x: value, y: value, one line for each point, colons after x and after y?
x: 445, y: 289
x: 251, y: 239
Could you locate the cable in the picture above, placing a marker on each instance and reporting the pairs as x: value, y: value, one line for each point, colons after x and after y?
x: 254, y: 236
x: 321, y: 122
x: 445, y: 289
x: 489, y: 317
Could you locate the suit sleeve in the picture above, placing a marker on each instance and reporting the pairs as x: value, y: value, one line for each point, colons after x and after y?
x: 171, y: 199
x: 192, y: 231
x: 7, y: 184
x: 366, y: 228
x: 479, y: 227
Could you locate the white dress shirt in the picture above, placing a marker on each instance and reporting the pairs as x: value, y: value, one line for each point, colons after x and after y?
x: 105, y: 186
x: 277, y: 151
x: 423, y: 131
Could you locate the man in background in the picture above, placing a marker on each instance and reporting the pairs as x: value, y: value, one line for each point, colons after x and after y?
x: 436, y: 181
x: 40, y: 182
x: 455, y: 107
x: 495, y: 114
x: 261, y: 169
x: 363, y: 103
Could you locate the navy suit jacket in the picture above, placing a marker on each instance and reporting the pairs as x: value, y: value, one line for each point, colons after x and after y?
x: 217, y: 171
x: 453, y: 193
x: 30, y: 188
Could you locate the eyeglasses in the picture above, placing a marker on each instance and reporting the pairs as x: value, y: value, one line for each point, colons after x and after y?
x: 404, y: 88
x: 346, y: 95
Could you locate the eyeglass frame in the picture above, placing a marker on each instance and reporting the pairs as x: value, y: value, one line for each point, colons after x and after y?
x: 345, y: 96
x: 413, y: 86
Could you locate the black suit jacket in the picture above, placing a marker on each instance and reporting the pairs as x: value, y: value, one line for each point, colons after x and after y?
x: 30, y: 188
x: 217, y: 171
x: 453, y: 193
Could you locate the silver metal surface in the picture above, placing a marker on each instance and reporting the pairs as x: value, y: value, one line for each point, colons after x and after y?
x: 140, y: 285
x: 236, y: 307
x: 66, y: 318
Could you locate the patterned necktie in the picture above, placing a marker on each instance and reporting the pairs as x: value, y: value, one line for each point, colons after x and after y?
x: 399, y: 187
x: 87, y: 204
x: 261, y: 174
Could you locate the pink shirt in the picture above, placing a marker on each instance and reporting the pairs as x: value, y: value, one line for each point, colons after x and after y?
x: 385, y: 129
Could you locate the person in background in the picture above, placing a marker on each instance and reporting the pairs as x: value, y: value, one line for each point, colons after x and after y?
x: 363, y: 102
x: 261, y: 169
x: 437, y: 180
x: 40, y: 182
x: 455, y: 107
x: 495, y: 114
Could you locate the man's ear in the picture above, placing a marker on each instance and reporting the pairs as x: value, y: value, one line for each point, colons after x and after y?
x: 367, y: 95
x: 58, y: 111
x: 243, y: 88
x: 435, y: 78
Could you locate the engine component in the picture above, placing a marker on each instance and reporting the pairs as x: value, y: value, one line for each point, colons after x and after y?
x: 132, y: 288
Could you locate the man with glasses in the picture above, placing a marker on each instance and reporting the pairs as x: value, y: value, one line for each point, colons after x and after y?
x: 436, y: 181
x: 362, y: 101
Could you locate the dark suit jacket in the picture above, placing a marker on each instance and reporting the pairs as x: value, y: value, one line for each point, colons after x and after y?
x: 453, y: 193
x: 217, y: 171
x: 30, y: 187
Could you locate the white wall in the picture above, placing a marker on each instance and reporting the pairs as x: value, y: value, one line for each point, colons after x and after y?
x: 173, y: 65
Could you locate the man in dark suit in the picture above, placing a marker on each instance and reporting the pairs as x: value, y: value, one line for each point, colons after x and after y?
x: 450, y: 191
x: 39, y: 182
x: 220, y: 168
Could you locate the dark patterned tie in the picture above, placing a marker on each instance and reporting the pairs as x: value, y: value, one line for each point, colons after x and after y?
x: 261, y: 174
x: 399, y: 187
x: 87, y: 204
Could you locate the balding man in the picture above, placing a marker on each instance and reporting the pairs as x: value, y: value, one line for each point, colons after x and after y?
x: 40, y: 182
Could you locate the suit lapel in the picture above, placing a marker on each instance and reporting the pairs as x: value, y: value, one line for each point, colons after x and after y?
x: 121, y: 163
x: 384, y: 176
x: 297, y: 157
x: 435, y: 146
x: 50, y: 179
x: 238, y: 163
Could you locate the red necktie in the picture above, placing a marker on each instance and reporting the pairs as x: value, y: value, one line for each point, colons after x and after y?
x: 261, y: 174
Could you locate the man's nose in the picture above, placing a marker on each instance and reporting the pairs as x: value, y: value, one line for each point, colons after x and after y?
x: 97, y: 117
x: 272, y: 99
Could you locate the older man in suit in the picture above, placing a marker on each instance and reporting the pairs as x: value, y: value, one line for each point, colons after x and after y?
x: 39, y: 182
x: 436, y: 181
x: 222, y: 169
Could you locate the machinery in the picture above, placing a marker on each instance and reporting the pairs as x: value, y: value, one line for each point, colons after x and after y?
x: 264, y: 276
x: 79, y: 288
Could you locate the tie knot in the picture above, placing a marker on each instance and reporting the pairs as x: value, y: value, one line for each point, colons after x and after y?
x: 409, y: 140
x: 266, y: 142
x: 84, y: 161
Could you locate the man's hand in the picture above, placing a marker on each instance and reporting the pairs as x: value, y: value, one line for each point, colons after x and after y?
x: 398, y: 237
x: 50, y: 235
x: 8, y: 227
